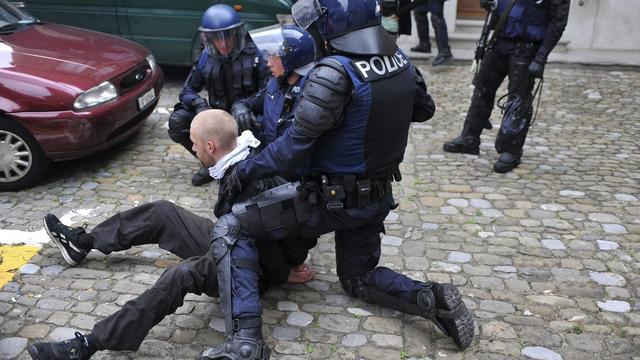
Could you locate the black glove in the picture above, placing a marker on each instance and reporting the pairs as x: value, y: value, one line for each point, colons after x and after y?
x: 486, y: 4
x: 536, y: 68
x: 244, y: 117
x: 233, y: 184
x: 199, y: 105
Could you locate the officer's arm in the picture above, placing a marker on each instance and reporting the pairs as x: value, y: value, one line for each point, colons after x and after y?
x: 189, y: 96
x: 325, y: 93
x: 423, y: 105
x: 255, y: 102
x: 559, y: 14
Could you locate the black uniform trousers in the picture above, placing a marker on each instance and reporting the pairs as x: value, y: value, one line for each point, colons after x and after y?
x: 188, y: 236
x: 507, y: 58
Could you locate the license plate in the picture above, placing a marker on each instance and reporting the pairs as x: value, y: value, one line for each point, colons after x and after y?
x: 146, y: 99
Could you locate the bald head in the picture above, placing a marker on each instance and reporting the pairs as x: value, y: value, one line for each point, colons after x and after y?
x: 217, y: 126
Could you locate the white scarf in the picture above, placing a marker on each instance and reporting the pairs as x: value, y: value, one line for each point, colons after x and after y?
x: 246, y: 140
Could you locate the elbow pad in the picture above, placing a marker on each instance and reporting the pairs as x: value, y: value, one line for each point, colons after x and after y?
x: 325, y: 93
x: 423, y: 105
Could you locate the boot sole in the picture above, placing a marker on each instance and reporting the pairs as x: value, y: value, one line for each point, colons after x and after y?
x: 33, y: 352
x: 501, y: 170
x: 461, y: 151
x: 461, y: 329
x: 63, y: 250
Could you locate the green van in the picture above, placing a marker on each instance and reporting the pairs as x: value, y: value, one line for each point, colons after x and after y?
x: 169, y: 28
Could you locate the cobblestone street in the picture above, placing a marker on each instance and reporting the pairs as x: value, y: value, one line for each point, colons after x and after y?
x: 547, y: 257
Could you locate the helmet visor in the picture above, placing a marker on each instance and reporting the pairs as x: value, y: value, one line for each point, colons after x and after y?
x: 305, y: 12
x: 223, y: 42
x: 269, y: 41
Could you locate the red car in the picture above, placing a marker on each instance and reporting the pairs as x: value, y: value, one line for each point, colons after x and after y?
x: 66, y: 93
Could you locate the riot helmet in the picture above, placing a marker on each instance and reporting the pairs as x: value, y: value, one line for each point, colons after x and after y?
x: 222, y: 31
x: 290, y: 45
x: 351, y: 26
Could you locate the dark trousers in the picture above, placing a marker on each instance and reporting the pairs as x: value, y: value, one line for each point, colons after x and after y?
x: 506, y: 58
x: 357, y: 247
x: 435, y: 7
x: 188, y: 236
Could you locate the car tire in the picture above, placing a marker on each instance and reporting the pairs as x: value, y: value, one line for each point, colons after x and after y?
x: 22, y: 161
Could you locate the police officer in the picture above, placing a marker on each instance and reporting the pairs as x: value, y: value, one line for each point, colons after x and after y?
x: 230, y: 68
x: 351, y: 129
x: 532, y: 28
x: 290, y: 54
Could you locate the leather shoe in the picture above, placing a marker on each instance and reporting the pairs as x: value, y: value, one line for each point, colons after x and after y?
x: 442, y: 58
x: 466, y: 145
x: 422, y: 48
x: 201, y: 177
x: 507, y: 162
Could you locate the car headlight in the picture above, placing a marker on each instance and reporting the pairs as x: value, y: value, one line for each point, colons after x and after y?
x: 96, y: 96
x: 151, y: 60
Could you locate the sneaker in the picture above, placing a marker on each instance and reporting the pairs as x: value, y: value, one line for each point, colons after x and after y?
x: 467, y: 145
x: 201, y: 177
x: 450, y: 314
x: 77, y: 348
x: 66, y: 239
x: 507, y: 162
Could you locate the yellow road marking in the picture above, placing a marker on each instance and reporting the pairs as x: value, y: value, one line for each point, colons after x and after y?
x: 12, y: 258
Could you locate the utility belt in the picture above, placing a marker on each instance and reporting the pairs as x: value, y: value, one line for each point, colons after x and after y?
x: 347, y: 191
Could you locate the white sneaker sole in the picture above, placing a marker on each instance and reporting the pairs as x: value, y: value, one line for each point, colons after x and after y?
x: 60, y: 246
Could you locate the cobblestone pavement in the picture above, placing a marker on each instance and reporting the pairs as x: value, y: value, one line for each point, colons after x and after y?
x: 546, y: 256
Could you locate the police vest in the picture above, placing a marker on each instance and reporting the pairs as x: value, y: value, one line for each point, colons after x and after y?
x: 228, y: 81
x: 279, y: 104
x: 527, y: 20
x: 371, y: 139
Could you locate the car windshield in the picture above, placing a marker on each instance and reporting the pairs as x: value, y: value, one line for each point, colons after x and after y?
x: 11, y: 17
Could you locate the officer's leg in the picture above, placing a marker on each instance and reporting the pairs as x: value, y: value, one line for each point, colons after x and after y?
x: 162, y: 222
x: 420, y: 13
x: 179, y: 125
x: 440, y: 28
x: 357, y: 254
x: 127, y: 328
x: 520, y: 85
x: 237, y: 262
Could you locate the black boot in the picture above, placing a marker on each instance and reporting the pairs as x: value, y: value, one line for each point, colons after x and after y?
x: 507, y: 162
x: 466, y: 145
x: 442, y: 304
x: 201, y: 177
x: 78, y: 348
x: 245, y: 344
x: 422, y: 48
x: 69, y: 240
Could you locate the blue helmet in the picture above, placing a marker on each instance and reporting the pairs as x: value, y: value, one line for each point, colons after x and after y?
x: 298, y: 48
x: 351, y: 26
x: 222, y: 31
x: 295, y: 47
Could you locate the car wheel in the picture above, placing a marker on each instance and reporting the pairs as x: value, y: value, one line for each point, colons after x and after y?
x: 22, y: 162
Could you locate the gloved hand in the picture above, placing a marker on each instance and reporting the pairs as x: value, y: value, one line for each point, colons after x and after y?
x: 487, y: 4
x: 233, y: 184
x: 536, y: 68
x: 199, y: 105
x: 244, y: 117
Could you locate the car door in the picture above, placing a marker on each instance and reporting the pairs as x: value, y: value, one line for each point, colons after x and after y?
x: 168, y: 28
x: 99, y: 15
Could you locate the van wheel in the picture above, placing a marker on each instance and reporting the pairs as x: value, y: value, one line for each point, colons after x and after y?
x: 22, y: 161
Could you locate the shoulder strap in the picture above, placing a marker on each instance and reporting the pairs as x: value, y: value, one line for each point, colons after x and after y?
x: 500, y: 24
